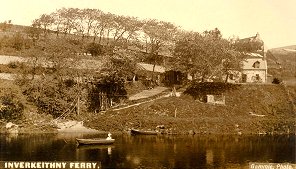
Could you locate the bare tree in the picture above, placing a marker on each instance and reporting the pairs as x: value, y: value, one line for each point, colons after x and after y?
x: 44, y: 22
x: 157, y: 35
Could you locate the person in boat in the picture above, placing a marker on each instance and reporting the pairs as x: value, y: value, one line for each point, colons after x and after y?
x: 109, y: 136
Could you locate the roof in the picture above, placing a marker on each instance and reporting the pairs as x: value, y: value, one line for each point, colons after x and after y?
x: 252, y: 38
x: 149, y: 67
x: 248, y: 64
x: 253, y: 55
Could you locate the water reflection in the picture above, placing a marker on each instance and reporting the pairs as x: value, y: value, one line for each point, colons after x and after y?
x: 11, y: 136
x: 152, y: 151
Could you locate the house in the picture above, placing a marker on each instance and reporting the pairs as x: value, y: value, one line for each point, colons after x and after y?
x: 148, y: 72
x: 254, y: 69
x: 254, y: 66
x: 172, y: 77
x: 144, y: 72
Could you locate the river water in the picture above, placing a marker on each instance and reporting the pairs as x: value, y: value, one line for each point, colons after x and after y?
x: 199, y: 151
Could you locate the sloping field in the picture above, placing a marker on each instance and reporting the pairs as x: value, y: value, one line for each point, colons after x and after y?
x: 249, y: 109
x: 282, y: 61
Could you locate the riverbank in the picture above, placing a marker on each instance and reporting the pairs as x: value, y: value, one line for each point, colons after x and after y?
x: 249, y: 109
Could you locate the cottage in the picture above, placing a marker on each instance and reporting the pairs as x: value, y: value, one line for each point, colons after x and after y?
x: 254, y: 69
x: 254, y: 66
x: 149, y: 73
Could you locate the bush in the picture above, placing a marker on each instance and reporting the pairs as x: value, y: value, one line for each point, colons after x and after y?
x: 13, y: 65
x: 107, y: 89
x: 276, y: 81
x: 18, y: 42
x: 52, y: 96
x: 12, y: 102
x: 200, y: 89
x: 94, y: 49
x: 11, y: 108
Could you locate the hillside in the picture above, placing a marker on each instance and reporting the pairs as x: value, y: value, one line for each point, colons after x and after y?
x: 281, y: 62
x: 249, y: 109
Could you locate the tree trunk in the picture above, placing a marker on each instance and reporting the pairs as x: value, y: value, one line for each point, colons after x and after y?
x: 153, y: 70
x: 57, y: 33
x: 226, y: 79
x: 202, y: 78
x: 78, y: 105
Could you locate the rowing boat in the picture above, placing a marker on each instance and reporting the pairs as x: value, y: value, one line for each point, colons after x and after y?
x: 100, y: 141
x: 143, y: 132
x: 94, y: 146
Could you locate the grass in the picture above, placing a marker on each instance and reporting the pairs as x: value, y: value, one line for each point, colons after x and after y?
x: 184, y: 114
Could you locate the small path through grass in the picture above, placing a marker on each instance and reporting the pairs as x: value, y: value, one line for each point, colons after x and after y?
x: 148, y: 93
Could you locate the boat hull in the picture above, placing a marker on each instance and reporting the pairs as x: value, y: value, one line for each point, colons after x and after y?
x: 143, y: 132
x: 94, y: 146
x: 96, y: 141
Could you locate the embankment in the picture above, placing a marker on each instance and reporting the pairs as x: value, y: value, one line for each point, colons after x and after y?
x: 248, y: 109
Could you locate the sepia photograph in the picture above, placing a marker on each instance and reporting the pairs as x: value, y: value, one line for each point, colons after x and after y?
x: 158, y: 84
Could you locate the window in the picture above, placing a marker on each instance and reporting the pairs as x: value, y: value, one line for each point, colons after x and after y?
x: 256, y: 64
x: 244, y: 78
x: 231, y: 77
x: 257, y: 77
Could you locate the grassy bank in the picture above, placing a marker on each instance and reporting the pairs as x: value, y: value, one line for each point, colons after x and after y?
x: 249, y: 109
x: 19, y: 111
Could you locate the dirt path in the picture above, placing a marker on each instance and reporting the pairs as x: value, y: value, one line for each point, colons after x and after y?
x: 145, y: 94
x: 148, y: 93
x: 137, y: 104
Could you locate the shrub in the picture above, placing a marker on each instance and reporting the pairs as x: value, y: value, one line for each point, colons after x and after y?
x: 12, y: 102
x: 94, y: 49
x: 276, y: 81
x: 11, y: 108
x: 52, y: 96
x: 106, y: 89
x: 13, y: 65
x: 199, y: 90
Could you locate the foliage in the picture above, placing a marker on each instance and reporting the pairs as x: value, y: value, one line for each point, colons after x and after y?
x: 17, y: 42
x: 88, y: 22
x: 199, y: 90
x: 276, y: 81
x: 6, y: 25
x: 205, y: 55
x: 157, y: 34
x: 58, y: 55
x: 123, y: 67
x: 94, y: 49
x: 247, y: 45
x: 13, y: 65
x: 43, y: 23
x: 51, y: 95
x: 11, y: 109
x: 55, y: 91
x: 106, y: 89
x: 54, y: 58
x: 12, y: 102
x: 33, y: 33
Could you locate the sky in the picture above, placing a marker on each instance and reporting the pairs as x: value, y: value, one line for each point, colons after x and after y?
x: 274, y: 20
